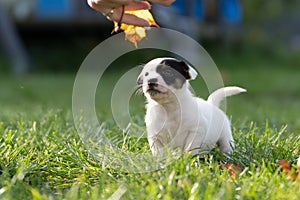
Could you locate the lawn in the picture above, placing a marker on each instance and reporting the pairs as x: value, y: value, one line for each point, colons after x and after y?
x: 42, y: 156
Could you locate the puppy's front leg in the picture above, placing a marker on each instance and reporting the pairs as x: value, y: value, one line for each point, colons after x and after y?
x: 194, y: 142
x: 226, y: 146
x: 156, y: 146
x: 226, y: 142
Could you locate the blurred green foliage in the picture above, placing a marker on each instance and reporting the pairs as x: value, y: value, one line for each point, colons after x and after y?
x: 260, y: 10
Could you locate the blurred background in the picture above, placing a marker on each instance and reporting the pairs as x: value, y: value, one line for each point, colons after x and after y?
x: 255, y: 44
x: 37, y: 35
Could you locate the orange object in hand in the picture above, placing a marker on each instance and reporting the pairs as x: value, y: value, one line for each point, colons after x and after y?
x: 133, y: 33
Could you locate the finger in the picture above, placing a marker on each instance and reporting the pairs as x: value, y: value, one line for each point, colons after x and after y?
x: 128, y: 18
x: 107, y: 3
x: 134, y: 20
x: 105, y: 6
x: 115, y: 14
x: 162, y: 2
x: 143, y: 5
x: 130, y: 7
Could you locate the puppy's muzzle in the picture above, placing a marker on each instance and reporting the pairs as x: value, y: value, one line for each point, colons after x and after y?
x: 152, y: 83
x: 152, y: 87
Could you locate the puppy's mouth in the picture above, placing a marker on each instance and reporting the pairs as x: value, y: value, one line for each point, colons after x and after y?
x: 153, y: 91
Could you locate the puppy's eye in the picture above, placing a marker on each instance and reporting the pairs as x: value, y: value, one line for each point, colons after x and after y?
x: 146, y: 74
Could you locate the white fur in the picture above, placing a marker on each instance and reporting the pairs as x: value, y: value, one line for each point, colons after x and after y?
x: 176, y: 119
x: 217, y: 96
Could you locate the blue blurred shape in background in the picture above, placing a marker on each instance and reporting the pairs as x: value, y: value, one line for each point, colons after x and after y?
x: 231, y: 11
x: 54, y: 9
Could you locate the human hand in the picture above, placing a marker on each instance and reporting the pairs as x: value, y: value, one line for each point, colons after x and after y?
x: 113, y: 9
x: 162, y: 2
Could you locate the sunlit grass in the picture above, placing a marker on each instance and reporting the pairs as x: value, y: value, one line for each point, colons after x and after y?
x: 42, y: 156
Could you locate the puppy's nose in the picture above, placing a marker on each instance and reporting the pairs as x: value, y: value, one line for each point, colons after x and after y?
x: 152, y: 82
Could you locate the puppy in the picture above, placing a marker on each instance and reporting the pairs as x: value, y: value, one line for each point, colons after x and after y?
x: 175, y: 118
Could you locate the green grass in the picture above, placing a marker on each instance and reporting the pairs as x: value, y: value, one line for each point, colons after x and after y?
x: 42, y: 156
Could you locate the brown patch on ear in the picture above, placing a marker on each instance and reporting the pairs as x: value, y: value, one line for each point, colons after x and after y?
x: 185, y: 69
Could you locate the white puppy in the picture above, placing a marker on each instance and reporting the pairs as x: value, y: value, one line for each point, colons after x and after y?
x: 177, y: 119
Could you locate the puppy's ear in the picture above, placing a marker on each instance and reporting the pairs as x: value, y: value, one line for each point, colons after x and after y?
x: 140, y: 80
x: 193, y: 73
x: 190, y: 72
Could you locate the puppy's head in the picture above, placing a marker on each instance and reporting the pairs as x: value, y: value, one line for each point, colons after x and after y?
x: 162, y: 77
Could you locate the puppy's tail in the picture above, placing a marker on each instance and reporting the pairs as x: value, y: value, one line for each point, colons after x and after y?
x: 217, y: 96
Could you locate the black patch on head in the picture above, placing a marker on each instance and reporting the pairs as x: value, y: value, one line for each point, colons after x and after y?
x: 174, y: 72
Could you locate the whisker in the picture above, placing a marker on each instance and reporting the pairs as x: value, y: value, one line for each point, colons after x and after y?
x: 139, y: 91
